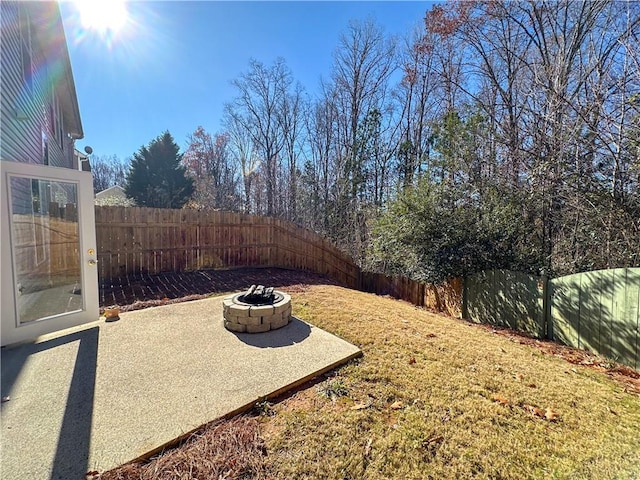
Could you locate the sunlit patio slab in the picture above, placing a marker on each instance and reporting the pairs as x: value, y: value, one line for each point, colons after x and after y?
x: 107, y: 393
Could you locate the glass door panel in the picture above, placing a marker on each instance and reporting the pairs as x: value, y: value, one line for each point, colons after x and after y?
x: 46, y: 247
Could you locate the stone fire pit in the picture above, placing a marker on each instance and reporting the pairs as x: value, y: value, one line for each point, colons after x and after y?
x: 259, y: 309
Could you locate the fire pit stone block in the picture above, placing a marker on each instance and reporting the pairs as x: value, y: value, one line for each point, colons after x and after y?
x: 251, y: 321
x: 235, y: 327
x: 241, y: 317
x: 258, y: 328
x: 261, y: 311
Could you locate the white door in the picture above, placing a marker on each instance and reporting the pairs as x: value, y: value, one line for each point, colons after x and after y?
x: 48, y: 273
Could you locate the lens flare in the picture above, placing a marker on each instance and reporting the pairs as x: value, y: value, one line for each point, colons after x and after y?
x: 103, y: 16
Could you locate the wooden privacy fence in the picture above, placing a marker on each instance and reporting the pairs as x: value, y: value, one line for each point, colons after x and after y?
x: 135, y: 240
x: 445, y: 297
x: 507, y: 299
x: 45, y: 250
x: 597, y: 311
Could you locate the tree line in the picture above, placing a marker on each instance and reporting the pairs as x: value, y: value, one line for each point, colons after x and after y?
x: 497, y: 135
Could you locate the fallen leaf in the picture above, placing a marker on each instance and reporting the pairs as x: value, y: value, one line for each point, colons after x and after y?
x: 533, y: 410
x: 500, y: 399
x: 397, y: 405
x: 532, y: 385
x: 412, y: 361
x: 359, y: 406
x: 550, y: 415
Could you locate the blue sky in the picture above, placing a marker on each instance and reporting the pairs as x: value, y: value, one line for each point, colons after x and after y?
x: 170, y: 66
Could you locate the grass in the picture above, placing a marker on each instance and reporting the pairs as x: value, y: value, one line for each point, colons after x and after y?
x: 435, y: 397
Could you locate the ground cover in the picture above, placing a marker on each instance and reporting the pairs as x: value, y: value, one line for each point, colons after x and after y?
x: 432, y: 397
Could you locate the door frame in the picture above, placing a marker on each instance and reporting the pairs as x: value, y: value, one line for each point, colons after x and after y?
x: 12, y: 331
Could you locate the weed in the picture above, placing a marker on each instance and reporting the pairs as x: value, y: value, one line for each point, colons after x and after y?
x: 333, y: 389
x: 264, y: 408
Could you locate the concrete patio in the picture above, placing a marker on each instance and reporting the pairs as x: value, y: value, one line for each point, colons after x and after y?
x: 107, y: 393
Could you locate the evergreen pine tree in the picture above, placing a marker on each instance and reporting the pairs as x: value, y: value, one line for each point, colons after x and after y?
x: 157, y: 178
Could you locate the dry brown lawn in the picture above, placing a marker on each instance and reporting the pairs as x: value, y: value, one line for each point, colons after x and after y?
x: 432, y: 397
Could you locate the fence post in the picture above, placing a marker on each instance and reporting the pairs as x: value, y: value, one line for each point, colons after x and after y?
x: 546, y: 308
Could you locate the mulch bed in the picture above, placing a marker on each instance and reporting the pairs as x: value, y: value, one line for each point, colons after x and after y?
x: 229, y: 450
x: 141, y: 291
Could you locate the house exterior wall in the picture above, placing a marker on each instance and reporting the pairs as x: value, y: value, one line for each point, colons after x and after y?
x: 35, y: 123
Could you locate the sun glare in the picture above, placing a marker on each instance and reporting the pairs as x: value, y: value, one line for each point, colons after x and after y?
x: 104, y: 16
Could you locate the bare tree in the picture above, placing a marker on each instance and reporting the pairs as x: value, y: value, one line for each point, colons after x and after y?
x: 257, y: 108
x: 108, y: 171
x: 207, y: 162
x: 416, y: 96
x: 320, y: 173
x: 291, y: 123
x: 244, y: 151
x: 362, y: 66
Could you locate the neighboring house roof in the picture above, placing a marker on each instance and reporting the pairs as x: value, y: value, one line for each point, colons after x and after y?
x: 112, y: 192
